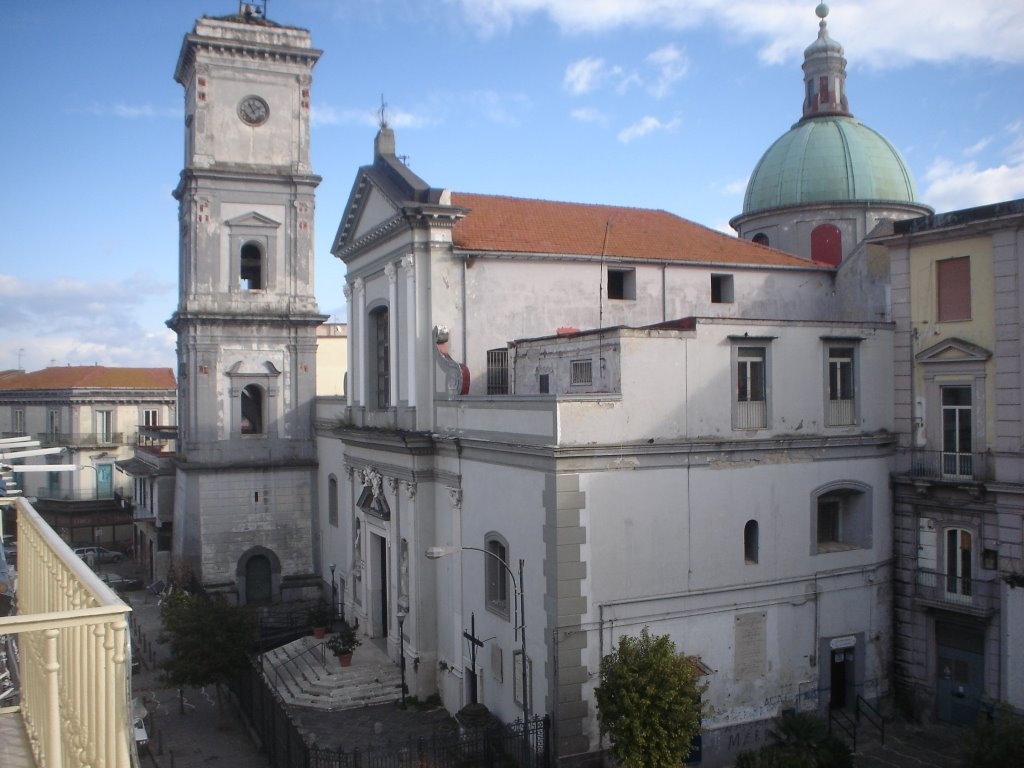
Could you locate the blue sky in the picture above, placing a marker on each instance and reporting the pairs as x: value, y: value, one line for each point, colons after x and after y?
x: 648, y: 103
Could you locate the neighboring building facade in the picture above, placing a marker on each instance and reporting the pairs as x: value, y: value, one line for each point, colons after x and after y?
x: 96, y: 413
x: 247, y: 316
x: 957, y: 288
x: 331, y: 359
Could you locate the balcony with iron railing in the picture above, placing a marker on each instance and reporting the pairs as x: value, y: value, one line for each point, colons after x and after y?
x: 947, y: 466
x: 72, y: 656
x: 965, y: 594
x: 85, y: 439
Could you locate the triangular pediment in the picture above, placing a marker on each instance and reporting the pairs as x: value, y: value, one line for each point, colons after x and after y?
x: 953, y: 351
x: 253, y: 219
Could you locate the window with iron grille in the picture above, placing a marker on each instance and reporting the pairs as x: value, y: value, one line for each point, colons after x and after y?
x: 581, y: 373
x: 497, y: 371
x: 751, y: 388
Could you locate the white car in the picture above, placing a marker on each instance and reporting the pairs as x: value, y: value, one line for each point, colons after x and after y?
x: 96, y: 555
x: 141, y: 735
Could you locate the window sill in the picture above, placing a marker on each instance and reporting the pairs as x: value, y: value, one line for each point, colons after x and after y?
x: 825, y: 547
x: 498, y: 609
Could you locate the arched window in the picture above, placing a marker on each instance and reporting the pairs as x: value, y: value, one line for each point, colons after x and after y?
x: 841, y: 517
x: 251, y: 267
x: 252, y: 410
x: 760, y: 238
x: 827, y: 244
x: 750, y: 541
x: 380, y: 364
x: 332, y: 500
x: 496, y: 574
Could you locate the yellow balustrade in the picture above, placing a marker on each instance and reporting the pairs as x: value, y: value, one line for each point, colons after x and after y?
x: 73, y: 651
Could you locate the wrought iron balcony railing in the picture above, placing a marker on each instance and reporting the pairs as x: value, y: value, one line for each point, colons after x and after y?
x: 949, y: 466
x: 966, y: 593
x: 85, y: 439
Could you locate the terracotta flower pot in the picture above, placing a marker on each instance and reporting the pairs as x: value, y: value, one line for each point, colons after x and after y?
x: 345, y: 659
x: 319, y: 632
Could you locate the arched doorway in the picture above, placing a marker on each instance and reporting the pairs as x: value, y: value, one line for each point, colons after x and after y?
x: 257, y: 580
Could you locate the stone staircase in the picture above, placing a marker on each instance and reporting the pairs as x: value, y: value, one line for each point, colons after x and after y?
x: 305, y: 674
x: 909, y: 745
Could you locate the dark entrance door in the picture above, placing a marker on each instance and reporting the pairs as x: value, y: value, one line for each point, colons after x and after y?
x: 960, y: 673
x: 383, y: 564
x: 842, y: 676
x: 257, y: 580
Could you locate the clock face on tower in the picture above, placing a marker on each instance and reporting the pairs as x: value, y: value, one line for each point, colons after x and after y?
x: 253, y: 110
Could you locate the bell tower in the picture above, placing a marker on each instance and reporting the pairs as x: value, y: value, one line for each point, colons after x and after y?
x: 246, y: 320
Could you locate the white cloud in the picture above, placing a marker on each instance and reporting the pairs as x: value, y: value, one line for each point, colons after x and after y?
x: 646, y: 125
x: 882, y: 33
x: 325, y: 114
x: 132, y: 111
x: 588, y: 115
x: 79, y: 322
x: 978, y: 146
x: 583, y: 76
x: 672, y: 65
x: 737, y: 187
x: 952, y: 186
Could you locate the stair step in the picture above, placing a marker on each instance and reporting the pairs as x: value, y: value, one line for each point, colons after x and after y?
x: 304, y: 676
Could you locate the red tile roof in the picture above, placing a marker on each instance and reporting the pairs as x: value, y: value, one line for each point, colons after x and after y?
x: 518, y: 225
x: 91, y: 377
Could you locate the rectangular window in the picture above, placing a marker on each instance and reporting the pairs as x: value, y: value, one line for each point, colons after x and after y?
x: 18, y: 421
x: 53, y: 422
x: 840, y: 387
x: 582, y: 373
x: 497, y: 577
x: 751, y: 388
x: 953, y: 280
x: 382, y: 366
x: 622, y: 284
x: 957, y: 417
x: 104, y: 427
x: 497, y: 371
x: 543, y: 383
x: 721, y: 289
x: 332, y: 501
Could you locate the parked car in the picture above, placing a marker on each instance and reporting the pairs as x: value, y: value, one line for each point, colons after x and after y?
x: 141, y: 736
x: 97, y: 555
x: 121, y: 583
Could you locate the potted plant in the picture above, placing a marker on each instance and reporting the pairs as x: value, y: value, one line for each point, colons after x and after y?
x: 343, y: 642
x: 320, y: 618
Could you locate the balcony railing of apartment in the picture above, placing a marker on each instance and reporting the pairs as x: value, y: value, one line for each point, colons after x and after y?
x: 949, y: 466
x: 840, y: 412
x: 73, y: 655
x: 751, y: 414
x: 972, y: 595
x: 85, y: 439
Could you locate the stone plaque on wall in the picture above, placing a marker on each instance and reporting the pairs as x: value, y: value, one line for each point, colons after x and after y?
x: 750, y: 645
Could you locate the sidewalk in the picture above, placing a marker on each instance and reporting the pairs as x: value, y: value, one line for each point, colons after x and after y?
x: 186, y: 732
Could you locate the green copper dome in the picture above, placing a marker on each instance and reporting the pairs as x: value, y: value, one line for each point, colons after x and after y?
x: 829, y: 159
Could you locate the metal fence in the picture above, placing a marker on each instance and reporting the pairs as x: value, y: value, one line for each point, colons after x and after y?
x: 497, y: 745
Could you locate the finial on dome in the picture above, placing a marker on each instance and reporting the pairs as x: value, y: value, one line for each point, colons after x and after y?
x: 821, y: 11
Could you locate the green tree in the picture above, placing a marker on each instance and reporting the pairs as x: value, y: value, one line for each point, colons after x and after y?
x: 998, y: 741
x: 210, y: 640
x: 649, y: 701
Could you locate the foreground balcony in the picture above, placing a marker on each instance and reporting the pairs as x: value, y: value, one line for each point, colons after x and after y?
x: 950, y: 467
x: 69, y: 653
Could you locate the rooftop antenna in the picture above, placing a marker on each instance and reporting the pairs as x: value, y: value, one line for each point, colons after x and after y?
x: 382, y: 117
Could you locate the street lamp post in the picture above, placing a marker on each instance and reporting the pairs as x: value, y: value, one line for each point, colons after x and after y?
x: 402, y: 613
x: 435, y: 553
x: 334, y: 593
